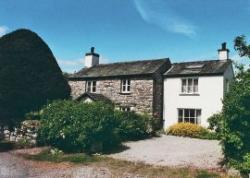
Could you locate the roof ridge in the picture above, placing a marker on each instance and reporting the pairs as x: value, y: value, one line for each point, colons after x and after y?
x: 212, y: 60
x: 125, y: 62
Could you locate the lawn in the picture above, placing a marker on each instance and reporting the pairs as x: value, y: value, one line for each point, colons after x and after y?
x: 119, y: 167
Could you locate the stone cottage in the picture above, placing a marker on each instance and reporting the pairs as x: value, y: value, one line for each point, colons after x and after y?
x: 179, y: 92
x: 131, y: 86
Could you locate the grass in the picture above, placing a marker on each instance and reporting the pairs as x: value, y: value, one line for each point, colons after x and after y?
x: 58, y: 158
x: 119, y: 167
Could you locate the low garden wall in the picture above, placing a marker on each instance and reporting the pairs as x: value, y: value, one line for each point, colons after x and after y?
x: 26, y: 134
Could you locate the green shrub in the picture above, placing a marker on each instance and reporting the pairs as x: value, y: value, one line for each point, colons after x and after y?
x: 190, y: 130
x: 23, y: 143
x: 132, y: 126
x: 216, y: 122
x: 236, y: 129
x: 76, y: 126
x: 243, y: 165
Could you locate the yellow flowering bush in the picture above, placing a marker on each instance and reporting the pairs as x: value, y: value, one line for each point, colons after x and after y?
x: 188, y: 130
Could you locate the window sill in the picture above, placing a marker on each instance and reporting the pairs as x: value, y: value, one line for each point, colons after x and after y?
x: 90, y: 92
x: 125, y: 93
x: 189, y: 94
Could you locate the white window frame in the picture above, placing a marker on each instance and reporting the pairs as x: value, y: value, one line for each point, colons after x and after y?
x: 125, y: 108
x: 190, y: 87
x: 91, y: 86
x: 126, y: 86
x: 183, y: 118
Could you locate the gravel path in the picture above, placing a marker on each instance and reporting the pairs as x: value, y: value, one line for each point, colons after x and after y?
x: 163, y: 151
x: 12, y: 166
x: 174, y: 151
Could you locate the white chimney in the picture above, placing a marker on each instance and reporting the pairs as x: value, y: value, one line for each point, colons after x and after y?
x: 223, y: 53
x: 91, y: 58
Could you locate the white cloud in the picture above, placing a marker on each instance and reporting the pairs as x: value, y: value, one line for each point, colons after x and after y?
x: 240, y: 60
x: 3, y: 30
x: 104, y: 60
x: 70, y: 65
x: 158, y: 13
x: 75, y: 65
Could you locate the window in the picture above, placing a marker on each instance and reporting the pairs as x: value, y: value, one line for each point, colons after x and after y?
x: 125, y: 108
x: 125, y: 86
x: 189, y: 115
x: 189, y: 86
x: 91, y: 86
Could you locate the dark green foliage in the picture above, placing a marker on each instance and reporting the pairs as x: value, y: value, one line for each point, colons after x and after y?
x: 236, y: 138
x: 236, y: 112
x: 48, y: 155
x: 205, y: 174
x: 216, y: 123
x: 241, y: 46
x: 33, y: 115
x: 89, y: 127
x: 132, y: 126
x: 29, y: 76
x: 77, y: 127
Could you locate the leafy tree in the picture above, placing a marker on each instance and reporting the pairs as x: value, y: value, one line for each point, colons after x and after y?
x: 241, y: 46
x: 29, y: 76
x: 236, y: 112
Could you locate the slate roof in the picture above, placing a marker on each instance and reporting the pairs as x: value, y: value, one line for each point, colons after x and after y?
x: 94, y: 97
x: 133, y: 68
x: 209, y: 67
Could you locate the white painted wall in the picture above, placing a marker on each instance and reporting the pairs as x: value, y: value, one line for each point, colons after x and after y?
x: 209, y: 100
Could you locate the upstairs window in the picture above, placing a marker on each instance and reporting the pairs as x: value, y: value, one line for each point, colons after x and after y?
x: 189, y: 86
x: 91, y: 86
x: 189, y: 115
x: 125, y: 86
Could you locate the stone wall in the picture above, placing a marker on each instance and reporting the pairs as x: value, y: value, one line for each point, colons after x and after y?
x: 140, y: 99
x: 77, y: 88
x: 26, y: 133
x: 158, y: 92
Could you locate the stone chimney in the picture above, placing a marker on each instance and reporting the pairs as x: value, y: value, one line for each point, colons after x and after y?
x: 223, y: 53
x: 91, y: 58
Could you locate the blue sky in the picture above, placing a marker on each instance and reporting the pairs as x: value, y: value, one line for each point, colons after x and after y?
x: 182, y: 30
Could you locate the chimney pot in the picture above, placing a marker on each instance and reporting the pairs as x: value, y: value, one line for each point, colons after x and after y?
x: 224, y: 46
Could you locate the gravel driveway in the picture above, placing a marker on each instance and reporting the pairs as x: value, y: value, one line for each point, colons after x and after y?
x: 174, y: 151
x: 163, y: 151
x: 12, y: 167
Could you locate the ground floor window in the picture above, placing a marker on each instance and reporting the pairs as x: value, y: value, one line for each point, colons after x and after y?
x: 125, y: 108
x: 189, y: 115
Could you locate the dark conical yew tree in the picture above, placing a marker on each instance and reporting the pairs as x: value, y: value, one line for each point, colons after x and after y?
x: 29, y: 76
